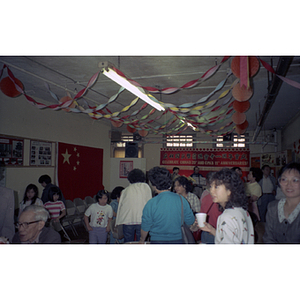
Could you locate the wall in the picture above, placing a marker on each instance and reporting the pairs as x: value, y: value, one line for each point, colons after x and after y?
x: 19, y: 118
x: 291, y: 133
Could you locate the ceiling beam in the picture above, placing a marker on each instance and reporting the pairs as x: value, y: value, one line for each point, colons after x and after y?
x: 282, y: 69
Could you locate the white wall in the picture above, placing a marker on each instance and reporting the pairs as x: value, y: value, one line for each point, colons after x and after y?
x: 19, y: 118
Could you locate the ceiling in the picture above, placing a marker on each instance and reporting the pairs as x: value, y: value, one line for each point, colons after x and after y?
x: 48, y: 77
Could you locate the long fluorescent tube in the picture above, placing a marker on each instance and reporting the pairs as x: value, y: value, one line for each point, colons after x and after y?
x: 110, y: 73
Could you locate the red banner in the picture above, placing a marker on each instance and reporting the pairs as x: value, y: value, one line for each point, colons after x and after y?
x: 206, y: 159
x: 79, y: 171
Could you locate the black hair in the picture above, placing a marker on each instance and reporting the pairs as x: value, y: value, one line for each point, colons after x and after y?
x: 136, y: 175
x: 160, y: 178
x: 45, y: 178
x: 36, y: 193
x: 265, y: 166
x: 116, y: 192
x: 196, y: 167
x: 175, y: 168
x: 101, y: 193
x: 183, y: 181
x: 209, y: 177
x: 256, y: 173
x: 54, y: 190
x: 288, y: 167
x: 236, y: 168
x: 232, y: 182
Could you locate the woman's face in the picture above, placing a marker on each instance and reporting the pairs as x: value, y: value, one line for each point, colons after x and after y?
x: 55, y: 197
x: 179, y: 189
x: 30, y: 194
x: 219, y: 194
x: 290, y: 183
x: 250, y: 177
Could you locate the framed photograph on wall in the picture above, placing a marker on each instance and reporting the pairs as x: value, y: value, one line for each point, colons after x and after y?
x: 40, y: 153
x: 125, y: 168
x: 11, y: 150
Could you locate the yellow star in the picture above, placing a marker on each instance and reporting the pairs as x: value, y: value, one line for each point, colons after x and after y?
x: 66, y: 157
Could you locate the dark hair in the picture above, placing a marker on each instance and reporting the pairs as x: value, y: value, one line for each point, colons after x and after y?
x: 175, y: 168
x: 45, y: 178
x: 36, y: 193
x: 232, y: 182
x: 116, y: 192
x: 136, y: 175
x: 256, y: 173
x: 236, y: 168
x: 160, y: 178
x: 183, y: 181
x: 54, y: 190
x: 288, y: 167
x: 101, y: 193
x: 209, y: 177
x: 196, y: 167
x: 265, y: 166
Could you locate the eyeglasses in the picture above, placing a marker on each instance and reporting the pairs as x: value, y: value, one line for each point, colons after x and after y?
x: 25, y: 224
x: 294, y: 181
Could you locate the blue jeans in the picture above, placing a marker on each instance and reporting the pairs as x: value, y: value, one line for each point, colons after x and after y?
x: 207, y: 238
x: 129, y: 231
x: 262, y: 205
x: 98, y: 235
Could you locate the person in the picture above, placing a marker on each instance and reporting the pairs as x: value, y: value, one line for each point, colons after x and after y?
x: 198, y: 183
x: 45, y: 181
x: 234, y: 225
x: 132, y: 201
x: 183, y: 187
x: 162, y: 214
x: 268, y: 187
x: 283, y: 216
x: 175, y: 173
x: 211, y: 209
x: 101, y: 214
x: 55, y: 206
x: 115, y: 196
x: 253, y: 191
x: 32, y: 229
x: 240, y: 172
x: 30, y: 197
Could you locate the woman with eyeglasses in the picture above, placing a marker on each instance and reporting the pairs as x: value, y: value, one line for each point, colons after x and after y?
x: 283, y: 216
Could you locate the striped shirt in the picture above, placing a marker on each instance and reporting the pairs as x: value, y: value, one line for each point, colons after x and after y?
x: 54, y: 208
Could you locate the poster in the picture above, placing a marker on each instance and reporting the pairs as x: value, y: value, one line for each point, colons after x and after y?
x: 125, y: 168
x: 40, y: 153
x: 11, y: 150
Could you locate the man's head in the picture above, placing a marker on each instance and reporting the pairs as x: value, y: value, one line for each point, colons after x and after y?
x: 45, y: 180
x: 196, y: 170
x: 31, y: 222
x: 266, y: 170
x: 175, y: 170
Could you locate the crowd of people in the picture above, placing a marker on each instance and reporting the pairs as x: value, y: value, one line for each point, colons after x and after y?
x: 152, y: 209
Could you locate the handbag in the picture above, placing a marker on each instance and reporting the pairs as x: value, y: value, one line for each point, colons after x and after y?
x: 187, y: 235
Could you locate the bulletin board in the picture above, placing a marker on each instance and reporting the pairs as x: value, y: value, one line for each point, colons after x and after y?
x: 11, y: 150
x: 40, y: 153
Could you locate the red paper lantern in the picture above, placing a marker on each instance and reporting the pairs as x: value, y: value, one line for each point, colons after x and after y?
x: 130, y: 129
x: 243, y: 125
x: 253, y: 66
x: 238, y: 118
x: 241, y: 106
x: 143, y: 132
x: 8, y: 87
x: 65, y: 99
x: 240, y: 131
x: 241, y: 93
x: 116, y: 123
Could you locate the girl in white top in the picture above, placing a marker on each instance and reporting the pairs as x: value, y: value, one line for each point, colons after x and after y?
x: 30, y: 197
x: 234, y: 225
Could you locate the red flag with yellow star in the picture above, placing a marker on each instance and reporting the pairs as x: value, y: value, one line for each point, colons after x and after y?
x: 79, y: 170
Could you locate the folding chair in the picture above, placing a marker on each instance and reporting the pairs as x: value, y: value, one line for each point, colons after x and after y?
x: 81, y: 208
x: 89, y: 200
x: 71, y: 216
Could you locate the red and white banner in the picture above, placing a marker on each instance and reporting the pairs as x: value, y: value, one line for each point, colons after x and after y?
x: 206, y: 159
x: 79, y: 170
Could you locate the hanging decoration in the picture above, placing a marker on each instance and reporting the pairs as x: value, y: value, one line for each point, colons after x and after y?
x: 218, y: 116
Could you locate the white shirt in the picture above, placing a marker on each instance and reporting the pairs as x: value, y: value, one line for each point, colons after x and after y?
x: 99, y: 214
x: 267, y: 186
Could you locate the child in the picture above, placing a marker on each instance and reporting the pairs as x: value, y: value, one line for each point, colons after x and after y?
x: 56, y: 208
x: 30, y: 197
x: 101, y: 214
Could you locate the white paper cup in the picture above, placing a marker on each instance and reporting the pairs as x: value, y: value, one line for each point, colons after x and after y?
x: 201, y: 218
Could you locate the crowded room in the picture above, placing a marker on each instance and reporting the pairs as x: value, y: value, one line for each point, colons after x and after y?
x: 120, y: 150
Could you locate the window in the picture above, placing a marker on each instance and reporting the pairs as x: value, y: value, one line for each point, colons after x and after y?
x: 118, y: 148
x: 125, y: 138
x: 179, y: 141
x: 232, y: 141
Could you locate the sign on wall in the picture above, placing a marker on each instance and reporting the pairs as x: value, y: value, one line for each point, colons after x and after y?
x: 11, y: 150
x: 210, y: 159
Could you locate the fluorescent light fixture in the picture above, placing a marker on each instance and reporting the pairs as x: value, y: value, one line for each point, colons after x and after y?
x: 138, y: 91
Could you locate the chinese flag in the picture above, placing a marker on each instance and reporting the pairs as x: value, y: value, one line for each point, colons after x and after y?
x: 79, y: 170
